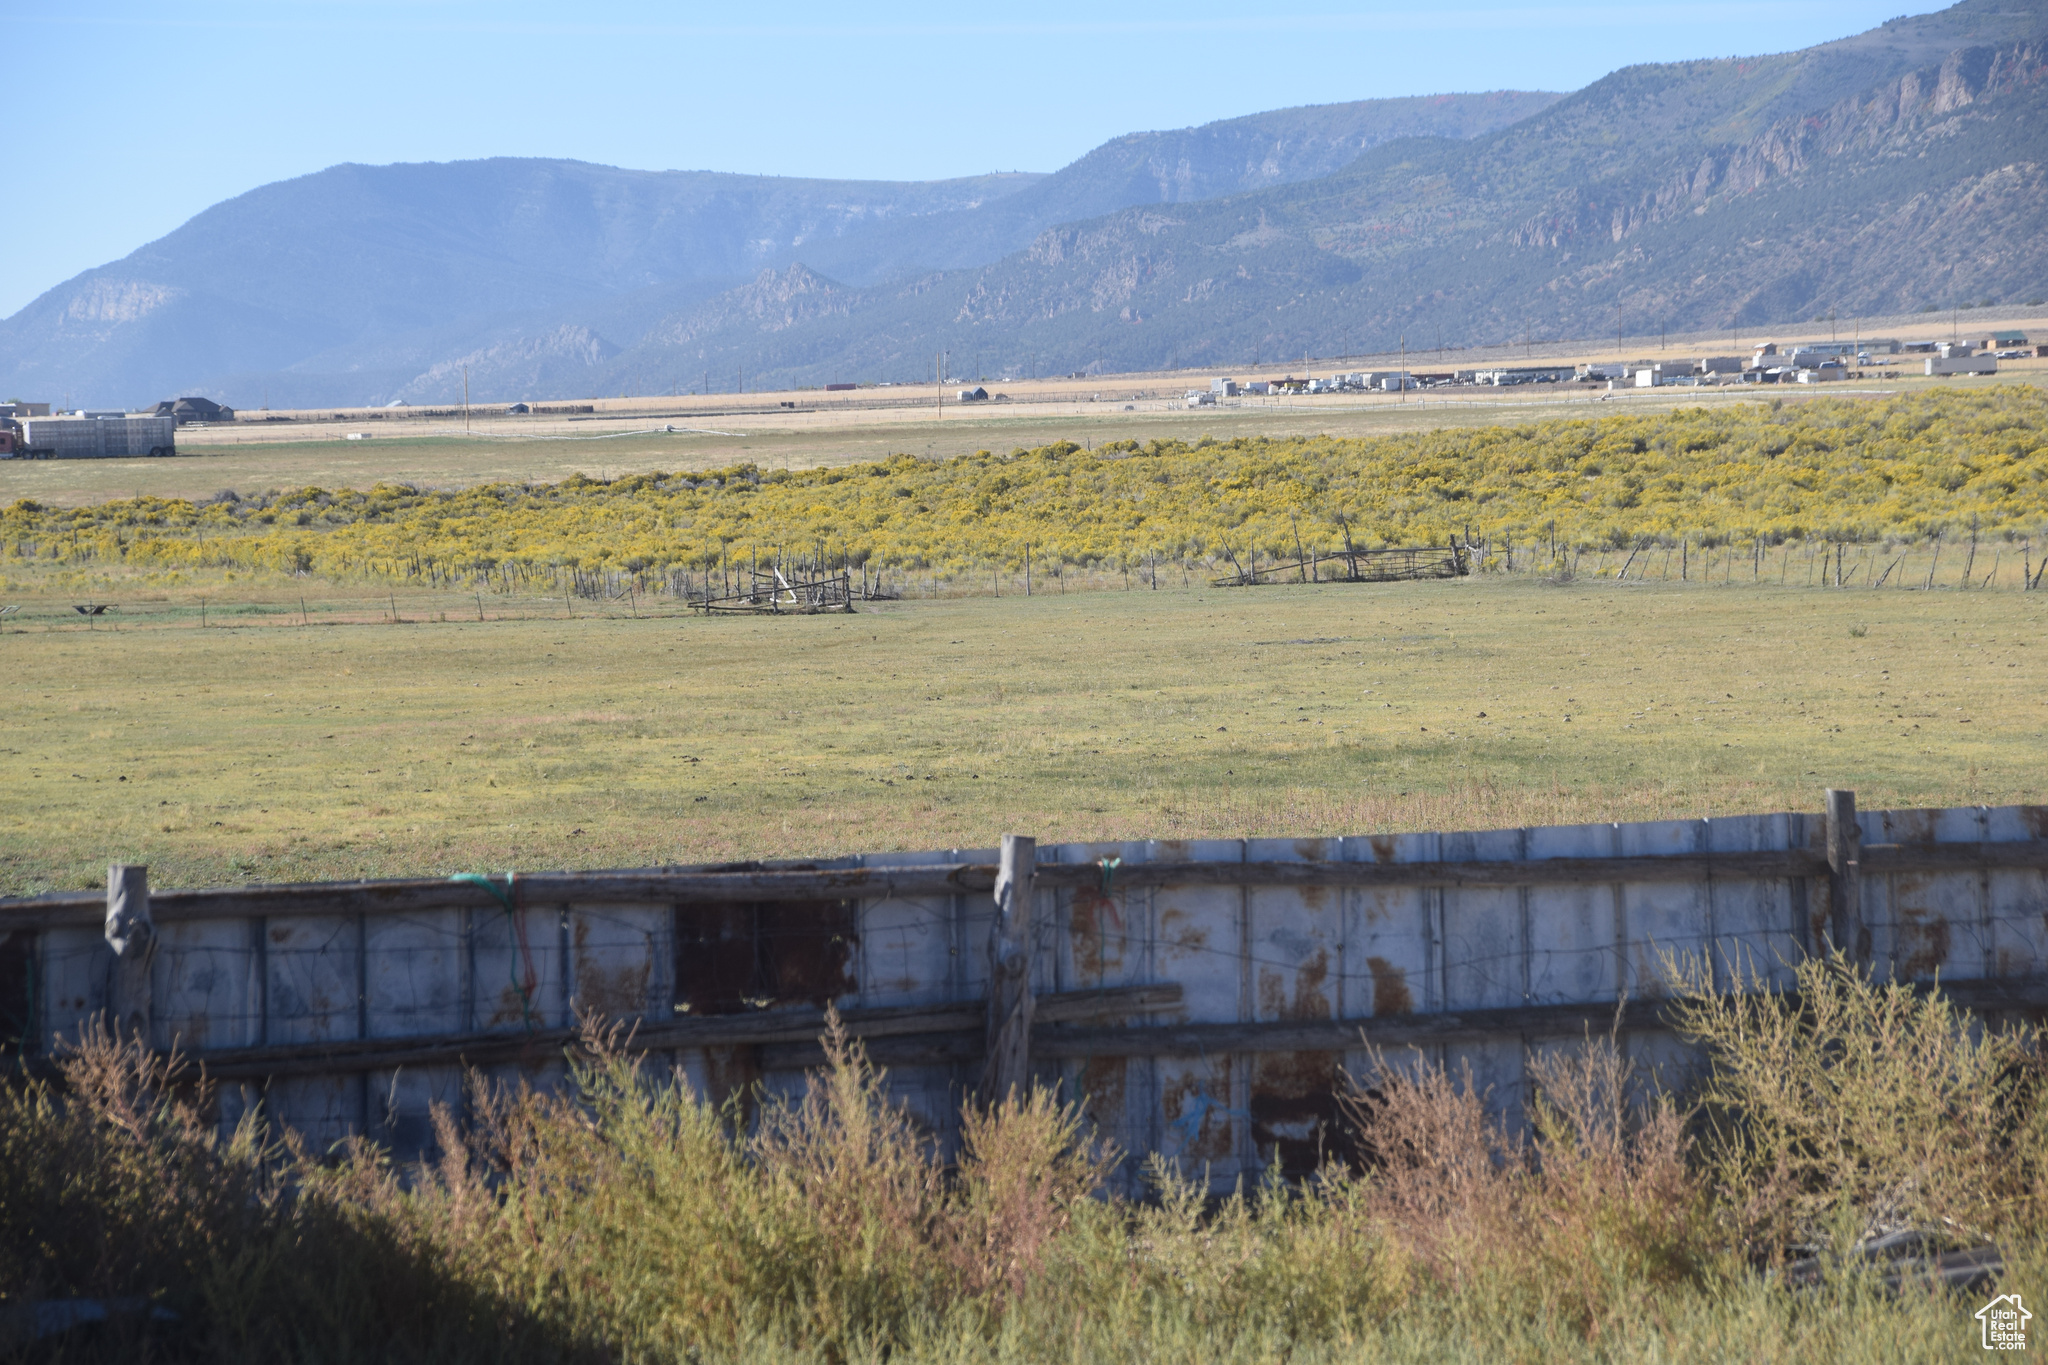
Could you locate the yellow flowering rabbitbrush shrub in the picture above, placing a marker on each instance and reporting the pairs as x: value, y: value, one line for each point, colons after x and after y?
x: 1839, y: 469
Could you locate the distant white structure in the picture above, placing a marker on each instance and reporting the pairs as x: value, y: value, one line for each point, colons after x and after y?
x: 1823, y: 373
x: 1223, y: 388
x: 1960, y: 357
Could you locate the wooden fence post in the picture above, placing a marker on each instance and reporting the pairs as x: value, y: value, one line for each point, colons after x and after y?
x: 132, y: 934
x: 1006, y: 1071
x: 1845, y: 890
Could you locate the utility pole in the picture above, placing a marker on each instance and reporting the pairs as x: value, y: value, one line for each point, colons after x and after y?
x: 939, y: 387
x: 465, y: 400
x: 1404, y: 367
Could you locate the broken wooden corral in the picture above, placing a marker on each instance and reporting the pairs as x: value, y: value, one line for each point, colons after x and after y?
x: 1399, y: 564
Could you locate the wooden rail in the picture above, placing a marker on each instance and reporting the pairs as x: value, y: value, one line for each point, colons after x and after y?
x: 1416, y: 1030
x: 1053, y: 1040
x: 686, y: 885
x: 798, y: 1026
x: 1062, y: 1029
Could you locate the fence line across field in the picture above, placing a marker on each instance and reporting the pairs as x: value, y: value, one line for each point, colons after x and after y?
x: 1202, y: 999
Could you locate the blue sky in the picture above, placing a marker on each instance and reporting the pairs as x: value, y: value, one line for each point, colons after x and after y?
x: 183, y: 105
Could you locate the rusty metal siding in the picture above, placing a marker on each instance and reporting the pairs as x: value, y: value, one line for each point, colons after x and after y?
x: 1096, y: 936
x: 1758, y: 924
x: 1200, y: 1121
x: 1393, y: 947
x: 1243, y: 954
x: 1486, y: 963
x: 206, y: 986
x: 2017, y: 940
x: 1576, y: 933
x: 416, y: 977
x: 72, y: 965
x: 927, y: 950
x: 1296, y: 951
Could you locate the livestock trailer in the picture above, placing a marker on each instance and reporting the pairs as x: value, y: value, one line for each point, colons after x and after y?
x: 88, y: 438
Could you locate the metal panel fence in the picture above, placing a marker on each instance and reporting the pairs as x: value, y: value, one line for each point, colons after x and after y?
x: 1201, y: 999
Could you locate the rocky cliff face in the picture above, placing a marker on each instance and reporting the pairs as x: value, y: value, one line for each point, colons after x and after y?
x: 1894, y: 120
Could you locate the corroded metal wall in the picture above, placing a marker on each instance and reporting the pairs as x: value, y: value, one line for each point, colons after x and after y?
x: 1243, y: 954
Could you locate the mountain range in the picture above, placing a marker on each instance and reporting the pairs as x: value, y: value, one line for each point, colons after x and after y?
x: 1902, y: 168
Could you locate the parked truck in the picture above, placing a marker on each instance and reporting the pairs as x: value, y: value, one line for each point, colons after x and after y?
x: 91, y: 438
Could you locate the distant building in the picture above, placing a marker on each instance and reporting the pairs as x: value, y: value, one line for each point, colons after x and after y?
x: 1848, y: 348
x: 838, y: 388
x: 1259, y: 387
x: 1960, y: 357
x: 519, y: 410
x: 195, y: 410
x: 1823, y: 373
x: 1223, y: 388
x: 24, y: 409
x: 1199, y: 398
x: 1998, y: 341
x: 1531, y: 374
x: 973, y: 395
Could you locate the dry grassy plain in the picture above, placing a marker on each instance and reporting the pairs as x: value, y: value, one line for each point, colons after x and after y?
x: 256, y: 748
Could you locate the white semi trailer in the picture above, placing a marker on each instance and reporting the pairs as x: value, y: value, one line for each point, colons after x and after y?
x: 96, y: 438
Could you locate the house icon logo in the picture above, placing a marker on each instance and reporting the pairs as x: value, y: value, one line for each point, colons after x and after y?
x: 2005, y: 1321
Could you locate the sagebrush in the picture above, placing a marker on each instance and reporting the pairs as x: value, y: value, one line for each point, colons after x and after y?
x: 628, y: 1219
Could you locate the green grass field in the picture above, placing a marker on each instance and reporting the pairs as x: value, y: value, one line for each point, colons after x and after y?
x: 256, y: 748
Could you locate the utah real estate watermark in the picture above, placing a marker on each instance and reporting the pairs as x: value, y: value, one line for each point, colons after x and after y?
x: 2004, y: 1321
